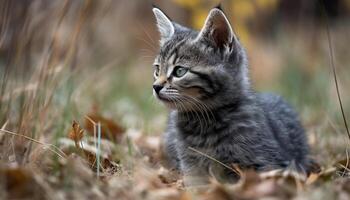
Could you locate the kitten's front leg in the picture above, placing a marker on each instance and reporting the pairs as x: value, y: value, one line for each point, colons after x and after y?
x: 170, y: 150
x: 195, y: 178
x: 194, y: 173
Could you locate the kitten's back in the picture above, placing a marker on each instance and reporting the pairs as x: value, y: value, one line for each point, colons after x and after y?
x: 286, y: 127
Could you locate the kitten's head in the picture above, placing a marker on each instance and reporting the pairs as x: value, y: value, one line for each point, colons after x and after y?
x: 194, y: 70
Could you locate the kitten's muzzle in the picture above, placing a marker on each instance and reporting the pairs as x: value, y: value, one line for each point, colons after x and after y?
x: 157, y: 88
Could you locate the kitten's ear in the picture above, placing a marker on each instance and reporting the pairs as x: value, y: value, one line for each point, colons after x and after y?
x: 217, y: 29
x: 165, y: 26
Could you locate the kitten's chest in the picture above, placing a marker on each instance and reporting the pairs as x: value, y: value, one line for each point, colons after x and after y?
x: 196, y: 144
x: 201, y: 134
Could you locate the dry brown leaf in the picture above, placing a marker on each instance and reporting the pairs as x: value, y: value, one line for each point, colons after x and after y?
x: 314, y: 167
x: 312, y: 178
x: 109, y: 129
x: 343, y: 166
x: 218, y: 192
x: 164, y: 193
x: 249, y: 179
x: 107, y: 166
x: 168, y: 176
x: 76, y: 133
x: 150, y: 147
x: 88, y: 153
x: 274, y: 184
x: 185, y: 196
x: 270, y: 188
x: 19, y: 184
x: 323, y: 176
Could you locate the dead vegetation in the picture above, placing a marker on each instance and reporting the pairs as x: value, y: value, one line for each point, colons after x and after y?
x: 86, y: 166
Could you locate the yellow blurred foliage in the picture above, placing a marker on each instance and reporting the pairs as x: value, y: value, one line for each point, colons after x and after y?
x: 198, y: 18
x: 267, y: 4
x: 242, y: 32
x: 242, y: 9
x: 241, y: 12
x: 347, y: 2
x: 188, y: 3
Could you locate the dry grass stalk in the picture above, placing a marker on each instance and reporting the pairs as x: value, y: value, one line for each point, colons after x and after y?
x: 51, y: 147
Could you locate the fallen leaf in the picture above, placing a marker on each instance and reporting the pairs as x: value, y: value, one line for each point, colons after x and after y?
x: 312, y: 178
x: 89, y: 152
x: 218, y: 192
x: 165, y: 193
x: 168, y: 176
x: 314, y: 167
x: 109, y: 128
x: 19, y: 184
x: 150, y: 147
x: 106, y: 165
x: 76, y: 133
x: 343, y: 167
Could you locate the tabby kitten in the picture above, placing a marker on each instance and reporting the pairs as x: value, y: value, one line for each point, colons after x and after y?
x: 203, y: 78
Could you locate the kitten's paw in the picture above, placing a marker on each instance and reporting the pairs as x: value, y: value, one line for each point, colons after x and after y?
x: 223, y: 175
x: 195, y: 180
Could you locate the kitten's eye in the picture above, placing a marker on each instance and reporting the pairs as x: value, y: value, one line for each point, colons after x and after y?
x: 156, y: 70
x: 179, y: 71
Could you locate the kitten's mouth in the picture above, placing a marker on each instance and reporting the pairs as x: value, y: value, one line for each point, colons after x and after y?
x: 174, y: 100
x: 165, y: 99
x: 166, y: 96
x: 168, y: 102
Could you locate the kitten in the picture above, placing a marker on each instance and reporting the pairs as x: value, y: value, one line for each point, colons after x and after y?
x: 203, y: 78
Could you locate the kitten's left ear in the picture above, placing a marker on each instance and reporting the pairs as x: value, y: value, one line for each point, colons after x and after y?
x: 217, y: 30
x: 165, y: 26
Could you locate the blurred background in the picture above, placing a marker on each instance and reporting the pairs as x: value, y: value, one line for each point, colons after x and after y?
x: 61, y: 60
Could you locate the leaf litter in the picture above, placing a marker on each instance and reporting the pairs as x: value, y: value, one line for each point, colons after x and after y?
x: 130, y: 166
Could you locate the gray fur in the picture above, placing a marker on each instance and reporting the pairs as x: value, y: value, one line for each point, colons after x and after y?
x: 215, y: 111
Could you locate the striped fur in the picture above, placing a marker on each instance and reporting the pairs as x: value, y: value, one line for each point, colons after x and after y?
x: 215, y: 111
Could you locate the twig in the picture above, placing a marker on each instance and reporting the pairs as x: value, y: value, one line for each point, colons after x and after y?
x: 213, y: 159
x: 333, y: 68
x: 345, y: 170
x: 4, y: 125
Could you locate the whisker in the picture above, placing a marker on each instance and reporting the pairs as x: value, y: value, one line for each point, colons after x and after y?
x: 197, y: 116
x: 201, y: 108
x: 201, y: 113
x: 182, y: 106
x: 201, y: 123
x: 206, y: 107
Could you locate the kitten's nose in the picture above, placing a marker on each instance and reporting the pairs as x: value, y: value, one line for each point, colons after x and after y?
x: 157, y: 88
